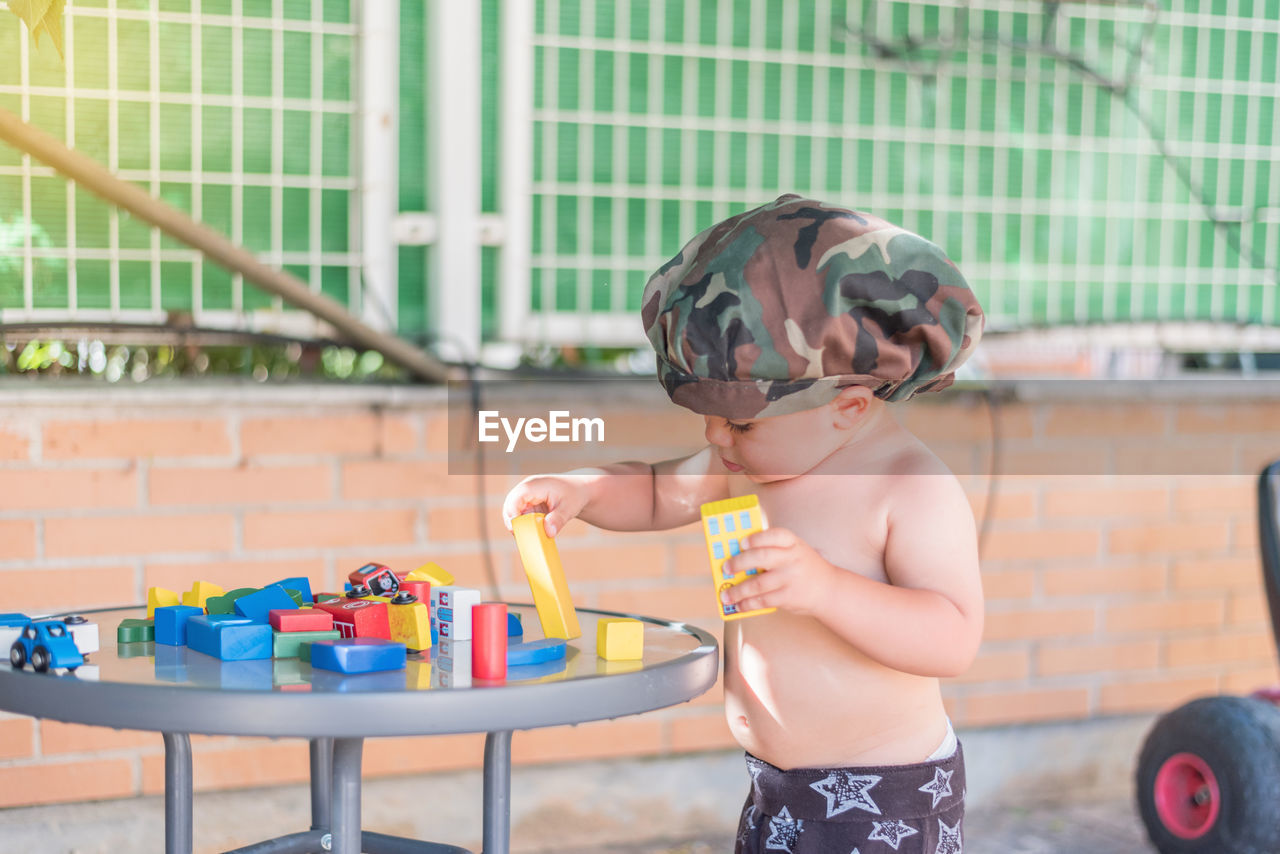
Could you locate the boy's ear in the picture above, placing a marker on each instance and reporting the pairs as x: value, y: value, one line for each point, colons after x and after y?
x: 851, y: 404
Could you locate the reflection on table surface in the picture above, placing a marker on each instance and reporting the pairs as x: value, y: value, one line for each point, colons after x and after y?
x: 150, y: 663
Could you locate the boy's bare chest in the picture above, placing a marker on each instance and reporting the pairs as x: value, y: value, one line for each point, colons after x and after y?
x: 841, y: 516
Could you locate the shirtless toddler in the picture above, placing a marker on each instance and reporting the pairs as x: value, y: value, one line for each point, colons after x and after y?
x: 788, y: 327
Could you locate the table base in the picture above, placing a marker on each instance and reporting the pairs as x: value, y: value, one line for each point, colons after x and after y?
x: 335, y: 803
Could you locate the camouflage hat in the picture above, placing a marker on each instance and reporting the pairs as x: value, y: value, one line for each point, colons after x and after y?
x: 775, y: 310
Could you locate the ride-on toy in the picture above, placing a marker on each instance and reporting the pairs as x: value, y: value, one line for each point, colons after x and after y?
x: 1209, y: 771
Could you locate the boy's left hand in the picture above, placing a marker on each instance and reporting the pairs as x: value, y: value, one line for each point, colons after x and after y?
x: 798, y: 578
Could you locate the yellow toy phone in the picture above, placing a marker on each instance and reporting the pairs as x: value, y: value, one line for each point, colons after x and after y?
x: 725, y: 523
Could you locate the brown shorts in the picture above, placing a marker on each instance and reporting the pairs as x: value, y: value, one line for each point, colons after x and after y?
x: 909, y: 809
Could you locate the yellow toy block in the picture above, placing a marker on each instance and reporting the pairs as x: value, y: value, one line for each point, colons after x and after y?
x: 431, y: 572
x: 619, y: 638
x: 541, y: 562
x: 200, y: 593
x: 725, y: 523
x: 410, y: 624
x: 158, y: 597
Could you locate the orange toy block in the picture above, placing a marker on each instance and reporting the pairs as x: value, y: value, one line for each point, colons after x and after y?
x: 159, y: 597
x: 200, y: 593
x: 433, y: 573
x: 410, y: 622
x: 619, y: 638
x: 541, y: 561
x: 725, y: 523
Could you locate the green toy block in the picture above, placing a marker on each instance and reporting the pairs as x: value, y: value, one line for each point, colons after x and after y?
x: 288, y: 644
x: 304, y: 650
x: 136, y: 631
x: 297, y: 597
x: 226, y: 603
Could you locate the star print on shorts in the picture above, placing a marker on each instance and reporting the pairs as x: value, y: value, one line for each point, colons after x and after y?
x: 844, y: 791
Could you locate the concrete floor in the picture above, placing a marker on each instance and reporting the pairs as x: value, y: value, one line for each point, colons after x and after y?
x: 1048, y: 789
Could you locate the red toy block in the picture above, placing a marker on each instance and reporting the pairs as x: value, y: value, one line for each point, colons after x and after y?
x: 358, y: 618
x: 489, y: 640
x: 300, y: 620
x: 421, y: 589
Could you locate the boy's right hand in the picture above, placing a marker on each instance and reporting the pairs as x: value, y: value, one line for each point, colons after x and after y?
x: 561, y: 497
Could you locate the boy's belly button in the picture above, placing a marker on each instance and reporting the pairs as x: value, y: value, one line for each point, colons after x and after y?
x: 742, y: 722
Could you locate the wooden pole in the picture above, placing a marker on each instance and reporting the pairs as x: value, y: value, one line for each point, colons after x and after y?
x: 93, y: 176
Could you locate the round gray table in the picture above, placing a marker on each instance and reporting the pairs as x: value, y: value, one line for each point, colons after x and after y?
x: 176, y: 691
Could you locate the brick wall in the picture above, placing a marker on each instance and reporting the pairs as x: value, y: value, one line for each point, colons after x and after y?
x: 1117, y: 581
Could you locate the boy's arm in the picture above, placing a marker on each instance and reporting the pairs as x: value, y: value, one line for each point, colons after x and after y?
x: 927, y: 620
x: 627, y: 496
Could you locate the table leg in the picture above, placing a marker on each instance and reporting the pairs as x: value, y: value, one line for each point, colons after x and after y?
x: 345, y: 816
x: 177, y: 793
x: 497, y: 792
x: 321, y: 783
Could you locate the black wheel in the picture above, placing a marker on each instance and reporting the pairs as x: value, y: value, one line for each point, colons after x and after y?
x: 1209, y: 778
x: 40, y: 659
x: 18, y: 655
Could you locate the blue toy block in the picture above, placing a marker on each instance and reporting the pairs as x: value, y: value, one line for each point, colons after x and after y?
x: 332, y: 682
x: 171, y: 623
x: 358, y: 655
x: 257, y: 606
x: 534, y: 652
x: 515, y: 628
x: 246, y: 675
x: 171, y: 664
x: 14, y: 619
x: 229, y: 638
x: 300, y: 583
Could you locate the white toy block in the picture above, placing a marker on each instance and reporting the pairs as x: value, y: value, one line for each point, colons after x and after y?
x: 85, y: 635
x: 451, y: 606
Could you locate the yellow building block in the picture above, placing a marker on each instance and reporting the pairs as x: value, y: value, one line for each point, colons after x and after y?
x: 619, y: 638
x: 725, y: 523
x: 200, y: 592
x: 431, y: 572
x: 410, y: 624
x: 541, y: 562
x: 158, y: 597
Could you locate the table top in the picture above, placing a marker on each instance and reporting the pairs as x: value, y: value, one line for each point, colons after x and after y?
x: 163, y: 688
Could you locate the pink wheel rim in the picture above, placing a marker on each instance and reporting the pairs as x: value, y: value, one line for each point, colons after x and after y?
x: 1187, y: 796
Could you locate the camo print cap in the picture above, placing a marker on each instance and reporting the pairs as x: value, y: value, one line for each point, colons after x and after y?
x: 775, y: 310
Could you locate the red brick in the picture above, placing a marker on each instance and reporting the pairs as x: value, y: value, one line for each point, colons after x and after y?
x: 1217, y: 648
x: 385, y: 757
x: 1153, y: 695
x: 137, y: 535
x: 1106, y: 503
x: 1007, y: 505
x: 14, y: 443
x: 1220, y: 573
x: 1041, y: 544
x: 1005, y: 707
x: 1074, y: 458
x: 696, y: 603
x: 1229, y: 419
x: 1105, y: 420
x: 691, y: 560
x: 363, y: 433
x: 328, y: 529
x: 617, y: 562
x: 17, y: 539
x: 675, y: 427
x: 466, y: 523
x: 996, y: 666
x: 63, y: 782
x: 1027, y: 623
x: 629, y: 736
x: 1247, y: 609
x: 363, y: 479
x: 242, y: 485
x: 1010, y: 584
x: 244, y: 763
x: 1226, y: 495
x: 64, y: 589
x: 17, y: 738
x: 1078, y: 658
x: 1103, y: 580
x: 1250, y: 679
x: 1172, y: 457
x: 57, y: 737
x: 136, y: 438
x: 1165, y: 616
x: 1167, y: 539
x: 967, y: 420
x: 69, y: 488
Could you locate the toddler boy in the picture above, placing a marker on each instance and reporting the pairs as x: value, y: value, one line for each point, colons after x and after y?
x: 788, y: 327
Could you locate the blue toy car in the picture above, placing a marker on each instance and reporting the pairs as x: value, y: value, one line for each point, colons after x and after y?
x: 45, y: 644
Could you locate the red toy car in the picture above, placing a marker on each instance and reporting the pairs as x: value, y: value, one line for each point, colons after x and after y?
x: 380, y: 580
